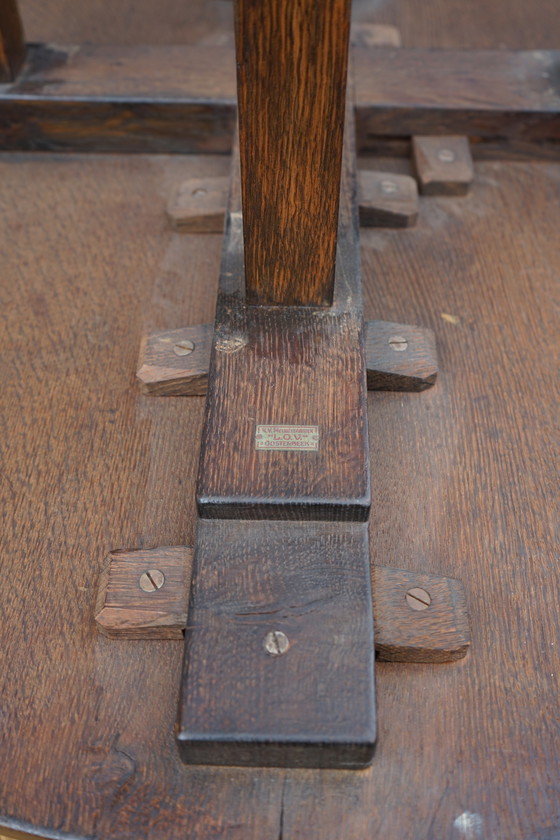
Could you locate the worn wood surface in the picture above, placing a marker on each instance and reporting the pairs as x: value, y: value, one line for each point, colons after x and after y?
x: 443, y: 165
x: 179, y: 100
x: 387, y: 200
x: 312, y: 705
x: 300, y: 366
x: 144, y: 589
x: 12, y: 45
x: 199, y: 205
x: 432, y: 627
x: 176, y: 362
x: 292, y: 59
x: 464, y: 484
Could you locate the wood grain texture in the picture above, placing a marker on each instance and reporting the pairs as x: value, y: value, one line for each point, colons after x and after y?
x: 166, y: 369
x: 399, y: 357
x: 387, y: 200
x: 440, y: 634
x: 121, y: 99
x: 182, y: 99
x: 12, y: 44
x: 443, y: 165
x: 292, y: 58
x: 297, y: 366
x: 199, y: 205
x: 124, y: 609
x: 312, y: 706
x: 464, y: 484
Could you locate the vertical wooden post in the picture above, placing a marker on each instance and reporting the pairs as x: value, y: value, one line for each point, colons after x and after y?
x: 12, y: 45
x: 292, y: 60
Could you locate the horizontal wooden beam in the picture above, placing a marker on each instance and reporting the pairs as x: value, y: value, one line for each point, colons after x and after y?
x: 398, y: 357
x: 182, y: 99
x: 418, y: 617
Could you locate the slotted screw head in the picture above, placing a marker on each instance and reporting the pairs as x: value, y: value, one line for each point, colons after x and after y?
x: 183, y: 348
x: 398, y: 342
x: 446, y: 155
x: 388, y: 186
x: 152, y: 580
x: 418, y: 599
x: 276, y: 643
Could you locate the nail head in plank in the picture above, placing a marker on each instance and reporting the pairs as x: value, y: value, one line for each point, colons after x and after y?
x: 443, y: 165
x: 387, y: 200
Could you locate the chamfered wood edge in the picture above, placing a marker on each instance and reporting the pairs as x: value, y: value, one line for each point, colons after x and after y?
x: 439, y: 633
x: 390, y: 366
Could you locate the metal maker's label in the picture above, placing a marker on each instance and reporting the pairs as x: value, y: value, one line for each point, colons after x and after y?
x: 303, y: 438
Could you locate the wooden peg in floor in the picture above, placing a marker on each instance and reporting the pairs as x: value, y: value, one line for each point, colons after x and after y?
x: 443, y: 165
x: 418, y: 617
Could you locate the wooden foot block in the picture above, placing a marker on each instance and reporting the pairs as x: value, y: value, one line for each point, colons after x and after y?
x: 374, y: 35
x: 399, y: 357
x: 443, y: 165
x: 417, y: 617
x: 199, y: 205
x: 143, y: 594
x: 176, y: 362
x: 387, y: 200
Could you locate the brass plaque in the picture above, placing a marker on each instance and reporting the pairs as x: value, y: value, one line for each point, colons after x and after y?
x: 293, y: 438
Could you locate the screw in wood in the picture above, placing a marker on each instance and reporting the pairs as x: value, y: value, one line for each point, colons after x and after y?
x: 446, y: 155
x: 199, y: 191
x: 276, y: 643
x: 152, y: 580
x: 418, y: 599
x: 183, y: 348
x: 388, y: 187
x: 398, y: 343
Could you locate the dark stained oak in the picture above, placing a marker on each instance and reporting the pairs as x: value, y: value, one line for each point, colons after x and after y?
x: 298, y: 366
x: 398, y: 357
x: 438, y: 632
x: 310, y: 706
x: 12, y: 44
x: 464, y: 482
x: 178, y: 99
